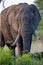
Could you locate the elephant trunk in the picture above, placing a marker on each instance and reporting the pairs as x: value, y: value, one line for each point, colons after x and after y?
x: 27, y: 36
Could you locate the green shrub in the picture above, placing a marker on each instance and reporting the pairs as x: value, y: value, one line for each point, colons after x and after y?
x: 28, y: 59
x: 24, y: 60
x: 41, y: 22
x: 5, y: 57
x: 40, y: 27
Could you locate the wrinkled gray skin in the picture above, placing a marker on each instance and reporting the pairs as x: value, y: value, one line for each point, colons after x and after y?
x: 18, y: 24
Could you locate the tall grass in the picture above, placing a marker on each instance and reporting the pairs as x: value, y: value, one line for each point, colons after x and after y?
x: 6, y: 58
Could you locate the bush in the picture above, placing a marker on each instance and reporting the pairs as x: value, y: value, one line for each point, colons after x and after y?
x: 29, y: 59
x: 24, y: 60
x: 5, y: 57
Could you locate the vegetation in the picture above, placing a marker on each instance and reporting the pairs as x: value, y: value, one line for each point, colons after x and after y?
x: 39, y: 31
x: 39, y: 4
x: 7, y: 58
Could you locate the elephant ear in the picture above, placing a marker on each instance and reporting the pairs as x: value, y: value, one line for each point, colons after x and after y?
x: 35, y: 16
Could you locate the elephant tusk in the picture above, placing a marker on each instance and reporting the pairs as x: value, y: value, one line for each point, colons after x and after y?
x: 16, y: 40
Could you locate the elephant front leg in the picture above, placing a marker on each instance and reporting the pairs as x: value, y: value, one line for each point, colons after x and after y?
x: 2, y: 41
x: 13, y: 48
x: 18, y: 50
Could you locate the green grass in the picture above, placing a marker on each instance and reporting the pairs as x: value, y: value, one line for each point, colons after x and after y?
x: 7, y: 58
x: 28, y: 59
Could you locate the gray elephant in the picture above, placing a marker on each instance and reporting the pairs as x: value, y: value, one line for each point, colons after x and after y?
x: 18, y: 24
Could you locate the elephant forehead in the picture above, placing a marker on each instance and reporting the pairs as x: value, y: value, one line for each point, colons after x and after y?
x: 25, y: 12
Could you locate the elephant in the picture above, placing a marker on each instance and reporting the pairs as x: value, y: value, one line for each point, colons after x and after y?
x: 18, y: 24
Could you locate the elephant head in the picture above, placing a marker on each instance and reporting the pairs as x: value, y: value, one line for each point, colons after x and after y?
x: 22, y: 19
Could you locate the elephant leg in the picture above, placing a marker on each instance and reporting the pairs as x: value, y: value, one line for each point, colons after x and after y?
x: 2, y: 41
x: 12, y: 48
x: 20, y: 46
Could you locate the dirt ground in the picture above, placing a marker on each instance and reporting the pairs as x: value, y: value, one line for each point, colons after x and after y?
x: 37, y: 46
